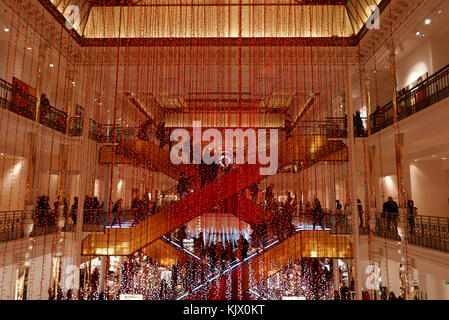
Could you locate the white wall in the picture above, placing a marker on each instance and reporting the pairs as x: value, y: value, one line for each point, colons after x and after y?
x: 415, y: 64
x: 430, y: 187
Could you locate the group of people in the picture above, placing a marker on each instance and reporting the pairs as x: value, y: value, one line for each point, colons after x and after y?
x: 161, y: 132
x: 216, y: 254
x: 46, y: 216
x: 142, y: 207
x: 92, y: 213
x: 390, y: 215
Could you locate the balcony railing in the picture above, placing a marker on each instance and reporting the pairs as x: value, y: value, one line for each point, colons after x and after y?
x: 25, y: 105
x: 423, y: 95
x: 11, y: 225
x: 53, y: 118
x: 425, y: 231
x: 332, y: 127
x: 14, y: 100
x: 104, y: 133
x: 76, y: 125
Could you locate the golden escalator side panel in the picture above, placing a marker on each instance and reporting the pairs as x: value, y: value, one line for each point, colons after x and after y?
x: 166, y: 254
x: 105, y: 155
x: 113, y: 242
x: 304, y: 244
x: 321, y: 244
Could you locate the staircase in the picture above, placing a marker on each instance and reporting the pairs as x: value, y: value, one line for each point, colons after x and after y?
x: 302, y: 148
x: 236, y: 281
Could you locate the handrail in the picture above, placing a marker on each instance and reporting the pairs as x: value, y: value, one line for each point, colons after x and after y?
x: 428, y: 92
x: 53, y: 118
x: 426, y: 231
x: 11, y: 225
x: 49, y: 116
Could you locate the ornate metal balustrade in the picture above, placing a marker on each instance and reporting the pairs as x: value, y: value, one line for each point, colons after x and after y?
x: 25, y: 105
x: 11, y: 225
x: 423, y: 95
x: 425, y: 231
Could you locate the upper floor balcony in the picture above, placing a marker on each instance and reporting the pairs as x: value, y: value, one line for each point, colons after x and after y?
x: 26, y: 105
x: 423, y: 95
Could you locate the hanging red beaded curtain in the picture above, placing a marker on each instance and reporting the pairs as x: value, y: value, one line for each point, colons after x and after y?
x: 124, y: 77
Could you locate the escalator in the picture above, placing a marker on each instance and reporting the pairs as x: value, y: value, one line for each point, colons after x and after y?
x: 168, y: 253
x: 301, y: 148
x: 145, y: 154
x: 244, y: 208
x: 236, y: 281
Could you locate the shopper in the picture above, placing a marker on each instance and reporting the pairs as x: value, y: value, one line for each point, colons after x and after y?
x: 411, y: 215
x: 390, y: 212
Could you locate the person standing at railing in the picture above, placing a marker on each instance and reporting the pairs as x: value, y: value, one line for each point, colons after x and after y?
x: 42, y: 211
x: 44, y: 100
x: 136, y: 209
x: 74, y: 210
x: 96, y: 211
x: 318, y: 214
x: 117, y: 212
x: 421, y: 93
x: 411, y: 214
x: 390, y: 212
x: 358, y: 125
x: 360, y: 211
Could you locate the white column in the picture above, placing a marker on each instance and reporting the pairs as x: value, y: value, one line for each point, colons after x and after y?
x: 102, y: 271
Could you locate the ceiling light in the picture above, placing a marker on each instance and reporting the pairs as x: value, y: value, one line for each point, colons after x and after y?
x: 51, y: 65
x: 6, y: 29
x: 444, y: 158
x: 29, y: 48
x: 427, y: 21
x: 418, y: 33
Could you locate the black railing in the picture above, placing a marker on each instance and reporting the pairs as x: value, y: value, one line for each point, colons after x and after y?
x: 425, y: 231
x: 53, y: 118
x: 25, y: 105
x: 332, y: 127
x: 423, y: 95
x: 104, y: 133
x: 11, y: 225
x: 96, y: 131
x: 76, y: 125
x: 14, y: 100
x: 121, y: 133
x: 5, y: 94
